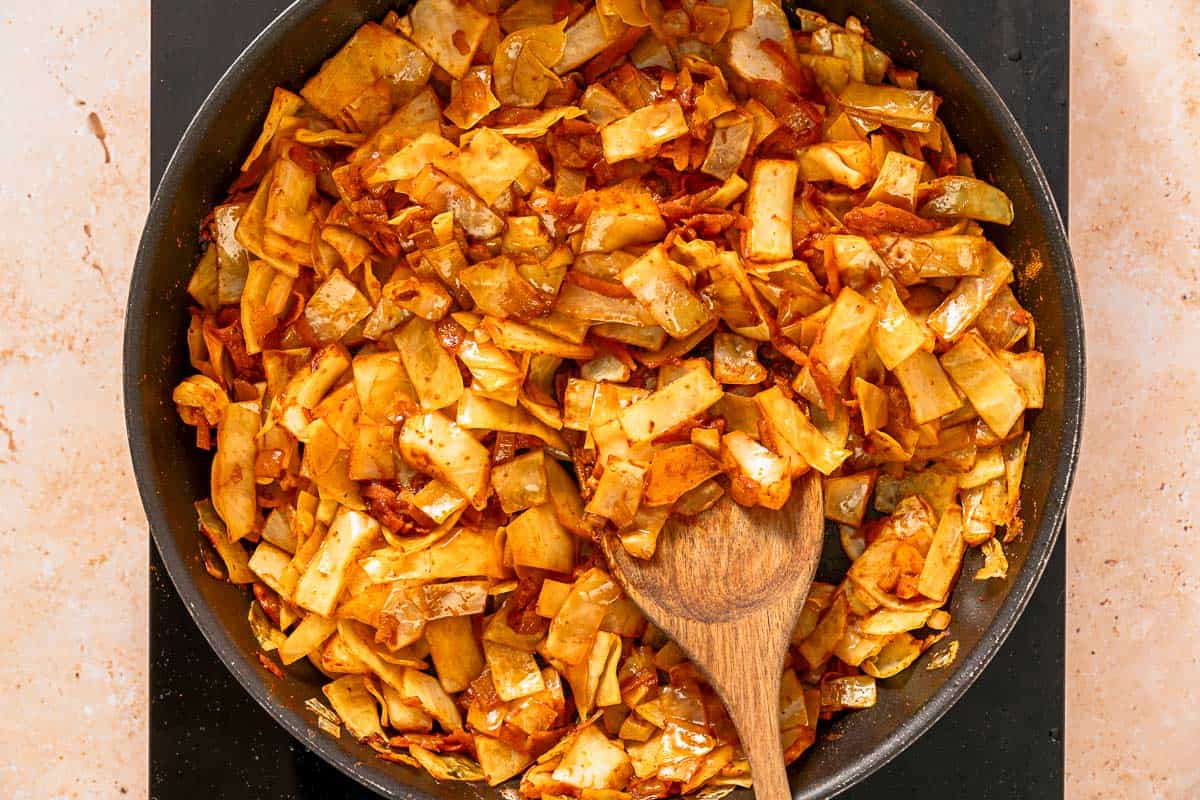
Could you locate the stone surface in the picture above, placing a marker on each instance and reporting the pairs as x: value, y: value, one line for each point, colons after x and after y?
x: 73, y: 545
x: 72, y: 536
x: 1133, y: 581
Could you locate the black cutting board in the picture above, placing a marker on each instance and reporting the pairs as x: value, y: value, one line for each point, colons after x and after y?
x: 1003, y: 739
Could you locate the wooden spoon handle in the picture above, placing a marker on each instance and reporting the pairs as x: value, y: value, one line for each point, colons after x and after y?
x: 755, y: 712
x: 745, y: 671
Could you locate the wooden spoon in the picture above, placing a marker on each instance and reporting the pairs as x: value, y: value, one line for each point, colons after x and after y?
x: 728, y: 588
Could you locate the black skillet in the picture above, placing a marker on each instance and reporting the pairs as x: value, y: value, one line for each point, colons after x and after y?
x: 172, y: 474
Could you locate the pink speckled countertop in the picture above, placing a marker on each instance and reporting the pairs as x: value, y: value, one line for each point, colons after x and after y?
x: 1133, y: 582
x: 73, y: 544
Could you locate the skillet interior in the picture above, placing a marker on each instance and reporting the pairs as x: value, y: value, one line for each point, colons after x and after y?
x: 172, y: 474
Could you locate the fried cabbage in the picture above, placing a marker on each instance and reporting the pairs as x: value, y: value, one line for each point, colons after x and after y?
x: 504, y: 279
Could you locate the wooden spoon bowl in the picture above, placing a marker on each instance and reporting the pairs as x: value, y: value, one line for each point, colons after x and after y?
x: 728, y: 587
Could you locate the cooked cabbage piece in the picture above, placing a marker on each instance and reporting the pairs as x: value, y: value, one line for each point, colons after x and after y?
x: 658, y: 285
x: 640, y: 134
x: 437, y: 446
x: 904, y: 109
x: 233, y: 493
x: 769, y: 207
x: 847, y: 163
x: 490, y: 164
x: 449, y: 32
x: 522, y: 64
x: 898, y: 181
x: 957, y: 196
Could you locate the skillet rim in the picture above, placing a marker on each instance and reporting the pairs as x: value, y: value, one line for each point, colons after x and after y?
x: 372, y: 776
